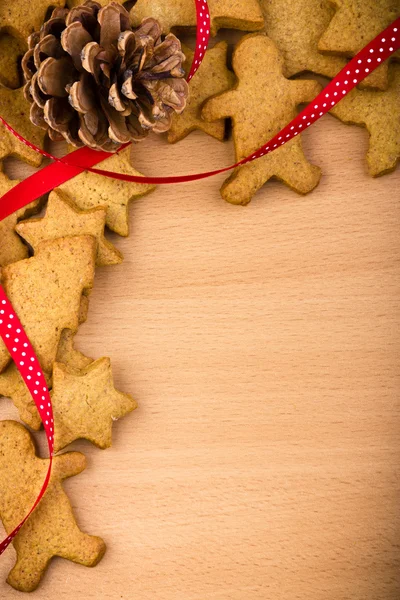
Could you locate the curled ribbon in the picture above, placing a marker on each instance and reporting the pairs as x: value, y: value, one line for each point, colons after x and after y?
x: 84, y: 159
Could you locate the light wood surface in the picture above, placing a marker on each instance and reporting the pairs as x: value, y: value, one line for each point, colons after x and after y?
x: 262, y: 345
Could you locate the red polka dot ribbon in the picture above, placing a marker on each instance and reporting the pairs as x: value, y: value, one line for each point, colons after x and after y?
x: 21, y: 351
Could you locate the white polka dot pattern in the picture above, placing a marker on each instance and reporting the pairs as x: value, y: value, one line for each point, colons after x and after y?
x: 203, y: 35
x: 23, y: 355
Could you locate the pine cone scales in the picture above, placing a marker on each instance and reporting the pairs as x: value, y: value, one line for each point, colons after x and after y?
x: 94, y: 81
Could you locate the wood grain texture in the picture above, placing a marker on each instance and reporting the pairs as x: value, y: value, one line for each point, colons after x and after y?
x: 262, y: 344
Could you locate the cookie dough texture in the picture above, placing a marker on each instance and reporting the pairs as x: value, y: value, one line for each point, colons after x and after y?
x: 245, y: 15
x: 379, y: 112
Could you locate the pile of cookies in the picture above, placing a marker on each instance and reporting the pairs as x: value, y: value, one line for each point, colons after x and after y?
x: 48, y: 263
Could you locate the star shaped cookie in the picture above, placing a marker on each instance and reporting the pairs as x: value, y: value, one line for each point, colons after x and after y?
x: 85, y: 404
x: 245, y: 15
x: 212, y: 78
x: 379, y: 112
x: 89, y: 190
x: 257, y: 117
x: 14, y: 108
x: 356, y: 23
x: 296, y: 27
x: 61, y: 219
x: 46, y: 291
x: 23, y: 18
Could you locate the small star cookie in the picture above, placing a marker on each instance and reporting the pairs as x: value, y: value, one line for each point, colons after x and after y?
x: 262, y: 103
x: 51, y: 529
x: 85, y: 404
x: 46, y: 291
x: 379, y: 112
x: 355, y: 24
x: 212, y: 78
x: 89, y: 190
x: 296, y: 27
x: 245, y: 15
x: 14, y: 108
x: 62, y: 219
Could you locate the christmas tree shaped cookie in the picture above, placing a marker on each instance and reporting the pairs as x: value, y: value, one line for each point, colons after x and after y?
x: 212, y: 78
x: 238, y: 14
x: 262, y: 103
x: 14, y: 109
x: 85, y: 404
x: 12, y: 247
x: 51, y: 530
x: 89, y: 190
x: 356, y: 23
x: 296, y: 27
x: 46, y: 290
x: 379, y: 112
x: 61, y: 219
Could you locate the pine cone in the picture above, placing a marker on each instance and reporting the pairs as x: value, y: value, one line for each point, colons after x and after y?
x: 95, y: 82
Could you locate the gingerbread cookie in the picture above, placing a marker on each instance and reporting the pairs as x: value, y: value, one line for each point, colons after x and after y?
x: 257, y: 116
x: 212, y: 78
x: 245, y: 15
x: 22, y: 19
x: 46, y: 290
x: 12, y: 50
x: 85, y: 404
x: 356, y: 23
x: 62, y: 219
x: 89, y: 190
x: 296, y: 27
x: 51, y: 530
x: 379, y: 112
x: 14, y: 108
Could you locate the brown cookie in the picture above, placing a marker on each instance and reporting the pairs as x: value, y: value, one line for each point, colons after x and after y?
x: 89, y: 190
x: 85, y: 404
x: 356, y: 23
x: 21, y: 19
x: 379, y: 112
x: 63, y: 218
x: 245, y: 15
x: 13, y: 386
x: 46, y: 290
x: 68, y: 355
x: 296, y: 27
x: 212, y: 78
x: 257, y: 115
x: 51, y: 530
x: 12, y: 50
x: 15, y: 110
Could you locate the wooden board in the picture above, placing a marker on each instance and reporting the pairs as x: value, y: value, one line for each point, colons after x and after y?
x: 262, y: 344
